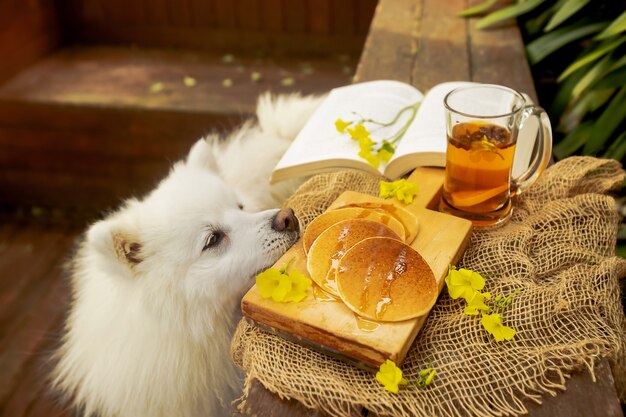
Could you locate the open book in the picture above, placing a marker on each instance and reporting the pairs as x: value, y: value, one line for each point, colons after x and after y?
x: 320, y: 147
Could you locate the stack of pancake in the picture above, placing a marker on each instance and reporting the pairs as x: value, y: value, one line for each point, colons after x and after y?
x: 360, y: 254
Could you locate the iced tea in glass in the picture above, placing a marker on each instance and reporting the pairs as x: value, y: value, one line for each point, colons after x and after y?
x: 482, y: 124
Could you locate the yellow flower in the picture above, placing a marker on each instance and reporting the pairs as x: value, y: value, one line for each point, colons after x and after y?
x: 341, y: 125
x: 370, y: 158
x: 390, y: 376
x: 493, y: 324
x: 476, y: 303
x: 463, y: 283
x: 501, y: 302
x: 157, y: 87
x: 283, y: 286
x: 273, y: 284
x: 189, y: 81
x: 386, y: 151
x: 402, y: 190
x: 299, y: 286
x: 359, y: 132
x: 426, y: 377
x: 365, y: 146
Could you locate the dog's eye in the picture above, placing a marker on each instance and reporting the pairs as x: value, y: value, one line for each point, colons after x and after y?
x: 240, y: 206
x: 214, y: 239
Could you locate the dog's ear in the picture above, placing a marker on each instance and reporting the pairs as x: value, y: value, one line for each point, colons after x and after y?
x: 127, y: 248
x: 117, y: 240
x: 202, y: 153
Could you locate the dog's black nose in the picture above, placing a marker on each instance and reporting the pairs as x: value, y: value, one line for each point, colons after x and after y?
x: 285, y: 221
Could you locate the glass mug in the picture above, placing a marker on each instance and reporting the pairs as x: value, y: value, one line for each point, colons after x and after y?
x: 483, y: 123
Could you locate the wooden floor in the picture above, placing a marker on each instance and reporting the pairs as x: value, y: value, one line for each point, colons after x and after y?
x: 33, y: 300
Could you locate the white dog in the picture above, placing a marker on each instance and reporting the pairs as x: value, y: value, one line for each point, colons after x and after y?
x: 157, y: 284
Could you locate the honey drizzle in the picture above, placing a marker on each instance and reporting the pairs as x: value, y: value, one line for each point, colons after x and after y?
x: 340, y: 249
x: 366, y: 285
x: 321, y: 295
x: 333, y: 260
x: 399, y: 267
x: 365, y: 325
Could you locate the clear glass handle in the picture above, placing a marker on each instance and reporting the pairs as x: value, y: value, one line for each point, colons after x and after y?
x: 542, y: 151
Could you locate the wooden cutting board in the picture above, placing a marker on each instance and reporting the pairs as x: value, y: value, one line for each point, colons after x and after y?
x: 328, y: 325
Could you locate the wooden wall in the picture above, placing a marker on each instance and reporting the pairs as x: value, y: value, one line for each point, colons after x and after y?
x: 28, y: 30
x: 287, y: 26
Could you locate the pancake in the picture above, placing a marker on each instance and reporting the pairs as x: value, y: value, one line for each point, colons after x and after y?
x: 408, y: 219
x: 386, y: 280
x: 325, y: 220
x: 332, y: 244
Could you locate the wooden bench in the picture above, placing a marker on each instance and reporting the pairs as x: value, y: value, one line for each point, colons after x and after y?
x: 93, y: 104
x: 423, y: 42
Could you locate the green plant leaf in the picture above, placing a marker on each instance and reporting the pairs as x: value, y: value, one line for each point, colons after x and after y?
x: 534, y: 25
x: 574, y: 140
x: 565, y: 12
x: 614, y: 79
x: 602, y: 49
x: 515, y: 10
x: 483, y: 7
x: 616, y: 27
x: 606, y: 124
x: 577, y: 110
x: 617, y: 150
x: 564, y: 94
x: 592, y: 76
x: 543, y: 46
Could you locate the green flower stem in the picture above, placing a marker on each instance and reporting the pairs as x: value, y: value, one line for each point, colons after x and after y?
x: 395, y: 138
x: 284, y: 269
x: 413, y: 106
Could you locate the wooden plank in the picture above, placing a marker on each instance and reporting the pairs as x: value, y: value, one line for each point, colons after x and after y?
x: 583, y: 396
x: 266, y: 404
x: 329, y: 325
x: 156, y: 12
x: 499, y: 57
x: 441, y: 52
x: 123, y: 77
x: 247, y: 13
x: 295, y: 12
x: 92, y: 10
x: 365, y: 13
x: 68, y: 191
x: 83, y: 164
x: 28, y: 257
x: 84, y: 117
x: 34, y: 24
x: 343, y: 16
x: 180, y: 13
x: 272, y: 16
x: 203, y: 13
x: 225, y: 14
x: 320, y: 17
x: 42, y: 308
x: 223, y: 39
x: 387, y: 53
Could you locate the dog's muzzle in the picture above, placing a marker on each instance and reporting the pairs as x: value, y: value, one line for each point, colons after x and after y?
x: 285, y: 221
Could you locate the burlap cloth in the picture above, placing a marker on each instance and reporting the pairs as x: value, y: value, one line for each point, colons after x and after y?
x: 558, y: 247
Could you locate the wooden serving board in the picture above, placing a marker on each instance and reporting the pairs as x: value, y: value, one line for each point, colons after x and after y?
x: 329, y: 325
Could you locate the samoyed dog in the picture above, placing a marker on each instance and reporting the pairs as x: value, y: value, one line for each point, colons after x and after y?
x: 157, y: 284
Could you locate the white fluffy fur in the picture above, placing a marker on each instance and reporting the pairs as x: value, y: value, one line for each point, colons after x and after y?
x: 149, y: 328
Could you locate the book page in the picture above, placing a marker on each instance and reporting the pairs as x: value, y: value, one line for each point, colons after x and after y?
x: 319, y: 139
x: 427, y: 133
